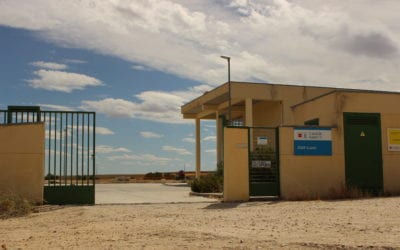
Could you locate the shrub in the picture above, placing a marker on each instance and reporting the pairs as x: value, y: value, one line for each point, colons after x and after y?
x: 13, y: 206
x: 211, y: 183
x: 153, y: 176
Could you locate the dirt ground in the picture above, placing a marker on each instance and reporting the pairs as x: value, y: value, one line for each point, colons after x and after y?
x: 350, y: 224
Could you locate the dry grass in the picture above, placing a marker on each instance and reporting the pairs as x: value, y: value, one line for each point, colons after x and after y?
x: 342, y: 192
x: 12, y: 205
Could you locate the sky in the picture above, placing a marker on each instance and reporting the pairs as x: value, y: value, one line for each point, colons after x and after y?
x: 136, y: 62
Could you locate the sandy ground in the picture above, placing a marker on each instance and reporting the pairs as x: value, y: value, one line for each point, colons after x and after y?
x: 368, y: 223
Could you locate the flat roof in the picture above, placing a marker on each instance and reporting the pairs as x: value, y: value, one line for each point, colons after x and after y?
x: 220, y: 94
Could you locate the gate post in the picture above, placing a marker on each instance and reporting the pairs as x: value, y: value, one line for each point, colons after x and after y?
x: 236, y: 164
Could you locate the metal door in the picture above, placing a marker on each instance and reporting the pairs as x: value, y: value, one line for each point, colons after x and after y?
x: 264, y: 162
x: 363, y: 151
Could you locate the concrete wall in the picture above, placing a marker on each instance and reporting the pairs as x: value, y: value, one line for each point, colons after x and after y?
x: 325, y: 109
x: 309, y: 176
x: 22, y: 160
x: 330, y: 110
x: 267, y: 114
x: 388, y: 106
x: 236, y: 171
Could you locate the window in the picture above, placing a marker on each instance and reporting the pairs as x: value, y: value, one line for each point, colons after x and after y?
x: 312, y: 122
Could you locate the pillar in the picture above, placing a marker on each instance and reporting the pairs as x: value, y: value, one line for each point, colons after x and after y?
x: 219, y: 137
x: 249, y: 112
x: 249, y: 118
x: 198, y: 148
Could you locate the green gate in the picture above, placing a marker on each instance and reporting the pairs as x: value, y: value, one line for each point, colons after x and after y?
x: 264, y: 161
x: 69, y: 152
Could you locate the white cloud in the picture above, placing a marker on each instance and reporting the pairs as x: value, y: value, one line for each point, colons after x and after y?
x: 141, y: 68
x: 189, y: 139
x: 104, y: 149
x: 104, y: 131
x: 62, y: 81
x: 49, y: 65
x: 180, y: 151
x: 140, y: 160
x: 210, y: 138
x: 55, y: 107
x: 76, y: 61
x: 148, y: 134
x: 211, y: 151
x: 158, y: 106
x: 338, y: 43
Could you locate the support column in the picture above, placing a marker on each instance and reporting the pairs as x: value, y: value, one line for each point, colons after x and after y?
x: 219, y: 139
x: 198, y: 148
x: 249, y: 119
x: 249, y: 112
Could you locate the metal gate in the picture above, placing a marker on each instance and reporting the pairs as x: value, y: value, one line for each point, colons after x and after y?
x: 264, y: 161
x: 69, y: 152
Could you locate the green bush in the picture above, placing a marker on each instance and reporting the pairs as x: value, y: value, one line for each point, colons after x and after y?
x: 211, y: 183
x: 207, y: 184
x: 153, y: 176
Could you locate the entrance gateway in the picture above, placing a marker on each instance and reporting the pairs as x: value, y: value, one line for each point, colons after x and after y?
x: 263, y: 161
x: 69, y: 152
x: 363, y: 151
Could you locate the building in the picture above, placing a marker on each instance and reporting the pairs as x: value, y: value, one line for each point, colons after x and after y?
x: 293, y: 141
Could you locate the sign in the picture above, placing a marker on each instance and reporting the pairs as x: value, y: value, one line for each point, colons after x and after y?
x: 261, y: 164
x: 312, y: 141
x: 262, y: 140
x: 393, y: 139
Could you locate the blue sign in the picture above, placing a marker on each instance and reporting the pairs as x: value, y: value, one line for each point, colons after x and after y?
x: 312, y: 141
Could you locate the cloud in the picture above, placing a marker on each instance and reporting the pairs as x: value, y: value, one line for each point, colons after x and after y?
x: 211, y: 151
x: 180, y: 151
x: 372, y: 45
x: 141, y: 68
x: 55, y: 107
x: 158, y: 106
x: 189, y: 139
x: 76, y: 61
x: 104, y: 131
x: 282, y: 41
x: 49, y: 65
x: 140, y: 160
x: 104, y: 149
x: 148, y: 134
x: 62, y: 81
x: 210, y: 138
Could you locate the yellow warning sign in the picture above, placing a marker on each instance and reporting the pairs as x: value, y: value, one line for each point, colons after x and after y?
x: 394, y: 139
x: 362, y: 133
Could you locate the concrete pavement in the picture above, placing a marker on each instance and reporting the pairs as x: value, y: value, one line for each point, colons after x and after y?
x: 138, y: 193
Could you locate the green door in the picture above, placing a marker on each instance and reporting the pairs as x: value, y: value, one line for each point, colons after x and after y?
x: 363, y: 151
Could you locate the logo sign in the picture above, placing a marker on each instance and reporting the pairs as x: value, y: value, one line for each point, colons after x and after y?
x: 393, y: 139
x: 262, y: 140
x: 312, y: 141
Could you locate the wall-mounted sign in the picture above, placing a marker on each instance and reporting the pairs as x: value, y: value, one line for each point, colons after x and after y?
x: 261, y: 164
x: 393, y: 139
x: 262, y: 140
x: 312, y: 141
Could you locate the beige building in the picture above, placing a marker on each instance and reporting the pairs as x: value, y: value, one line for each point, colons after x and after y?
x: 293, y: 141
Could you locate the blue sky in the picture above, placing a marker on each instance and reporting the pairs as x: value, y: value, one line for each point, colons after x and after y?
x: 136, y: 62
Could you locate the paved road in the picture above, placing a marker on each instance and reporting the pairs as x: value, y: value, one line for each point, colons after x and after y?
x: 130, y: 193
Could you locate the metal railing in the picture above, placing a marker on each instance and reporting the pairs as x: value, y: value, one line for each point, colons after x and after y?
x: 69, y: 143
